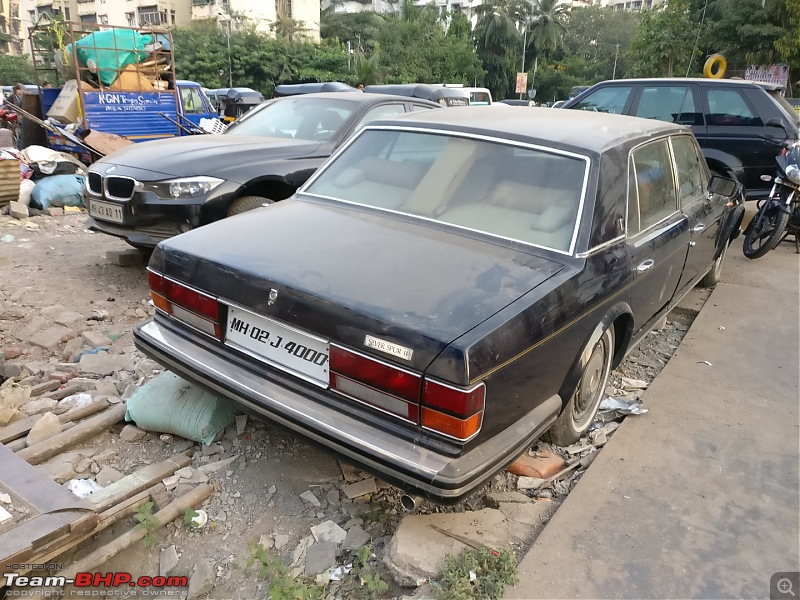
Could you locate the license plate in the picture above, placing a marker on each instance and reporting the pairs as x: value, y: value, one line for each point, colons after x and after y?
x: 276, y: 343
x: 106, y: 211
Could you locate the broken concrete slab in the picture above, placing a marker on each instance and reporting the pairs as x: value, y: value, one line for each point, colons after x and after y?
x: 535, y: 514
x: 131, y: 433
x: 494, y: 499
x: 18, y: 210
x: 107, y: 475
x: 320, y: 557
x: 356, y: 537
x: 215, y: 466
x: 167, y: 560
x: 361, y: 488
x: 37, y: 406
x: 416, y: 552
x: 308, y: 496
x: 69, y: 318
x: 103, y: 363
x: 52, y: 337
x: 328, y: 531
x: 202, y: 580
x: 95, y: 338
x: 127, y: 258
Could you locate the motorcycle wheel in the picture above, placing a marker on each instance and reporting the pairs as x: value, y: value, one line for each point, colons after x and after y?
x: 765, y: 230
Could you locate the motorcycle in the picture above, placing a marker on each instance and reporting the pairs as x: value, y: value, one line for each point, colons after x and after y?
x: 779, y: 214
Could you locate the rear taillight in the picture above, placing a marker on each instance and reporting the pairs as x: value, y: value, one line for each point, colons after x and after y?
x: 443, y: 408
x: 453, y: 411
x: 194, y: 308
x: 376, y: 383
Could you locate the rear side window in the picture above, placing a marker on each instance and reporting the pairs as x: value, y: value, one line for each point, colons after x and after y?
x: 729, y: 107
x: 654, y: 186
x: 692, y: 175
x: 607, y: 100
x: 674, y: 104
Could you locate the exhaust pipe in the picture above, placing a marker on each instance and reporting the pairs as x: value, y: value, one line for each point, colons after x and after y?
x: 409, y: 502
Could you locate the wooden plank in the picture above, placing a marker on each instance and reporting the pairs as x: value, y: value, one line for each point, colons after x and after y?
x: 136, y: 482
x: 172, y: 511
x: 21, y: 427
x: 39, y: 453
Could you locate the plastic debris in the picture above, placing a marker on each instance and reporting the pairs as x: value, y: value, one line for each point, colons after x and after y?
x: 83, y: 487
x: 4, y: 515
x: 75, y: 401
x: 622, y: 407
x: 704, y: 362
x: 200, y: 518
x: 339, y: 572
x: 92, y: 351
x: 473, y: 576
x: 7, y: 239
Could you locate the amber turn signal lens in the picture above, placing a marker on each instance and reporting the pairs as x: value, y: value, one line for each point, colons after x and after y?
x: 161, y: 303
x: 461, y: 429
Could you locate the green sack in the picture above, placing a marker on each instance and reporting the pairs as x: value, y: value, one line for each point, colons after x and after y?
x: 169, y: 404
x: 110, y: 51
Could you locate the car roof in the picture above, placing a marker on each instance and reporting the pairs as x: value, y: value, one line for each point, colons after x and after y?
x: 699, y: 80
x: 357, y: 96
x: 577, y: 130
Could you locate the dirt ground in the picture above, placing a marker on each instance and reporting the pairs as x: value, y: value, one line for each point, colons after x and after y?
x: 52, y: 265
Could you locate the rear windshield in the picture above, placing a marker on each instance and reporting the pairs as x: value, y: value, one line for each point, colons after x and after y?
x: 531, y: 195
x: 794, y: 116
x: 480, y: 98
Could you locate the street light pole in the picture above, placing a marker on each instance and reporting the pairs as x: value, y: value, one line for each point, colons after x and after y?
x: 616, y: 54
x: 524, y: 46
x: 230, y: 68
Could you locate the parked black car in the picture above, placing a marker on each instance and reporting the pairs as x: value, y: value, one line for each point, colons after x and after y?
x: 151, y: 191
x: 741, y: 125
x: 448, y: 287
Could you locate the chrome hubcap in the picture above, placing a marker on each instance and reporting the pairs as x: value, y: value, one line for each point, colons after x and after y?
x: 590, y: 388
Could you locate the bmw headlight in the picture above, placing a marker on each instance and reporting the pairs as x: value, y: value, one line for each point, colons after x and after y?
x: 185, y: 187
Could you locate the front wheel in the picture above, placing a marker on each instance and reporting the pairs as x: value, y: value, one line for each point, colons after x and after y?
x: 765, y: 230
x: 578, y: 415
x: 246, y: 203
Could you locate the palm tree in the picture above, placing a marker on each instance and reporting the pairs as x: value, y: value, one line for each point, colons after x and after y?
x: 497, y: 19
x: 548, y: 24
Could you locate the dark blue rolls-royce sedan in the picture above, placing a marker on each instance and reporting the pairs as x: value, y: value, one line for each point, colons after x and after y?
x: 448, y: 287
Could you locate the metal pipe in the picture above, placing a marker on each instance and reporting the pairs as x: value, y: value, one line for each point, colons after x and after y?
x: 409, y: 502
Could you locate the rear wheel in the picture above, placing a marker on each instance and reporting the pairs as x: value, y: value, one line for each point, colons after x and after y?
x: 246, y: 203
x: 578, y: 415
x: 765, y: 230
x: 712, y: 278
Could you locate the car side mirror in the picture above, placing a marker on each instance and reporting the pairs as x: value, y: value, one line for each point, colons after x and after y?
x: 722, y: 186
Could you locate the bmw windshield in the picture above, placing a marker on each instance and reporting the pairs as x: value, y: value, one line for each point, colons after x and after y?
x: 300, y: 118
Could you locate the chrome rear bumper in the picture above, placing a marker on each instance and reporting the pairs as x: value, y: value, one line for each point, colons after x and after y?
x: 411, y: 466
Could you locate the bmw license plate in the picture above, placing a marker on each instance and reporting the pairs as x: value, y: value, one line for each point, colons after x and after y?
x: 106, y: 211
x: 278, y: 344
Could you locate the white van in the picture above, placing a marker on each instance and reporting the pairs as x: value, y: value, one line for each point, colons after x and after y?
x: 478, y: 96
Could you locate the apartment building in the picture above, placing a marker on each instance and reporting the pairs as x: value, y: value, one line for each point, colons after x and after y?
x: 10, y: 26
x: 633, y: 4
x: 262, y: 13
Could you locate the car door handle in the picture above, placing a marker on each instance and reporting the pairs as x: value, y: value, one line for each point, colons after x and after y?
x: 699, y: 227
x: 645, y: 265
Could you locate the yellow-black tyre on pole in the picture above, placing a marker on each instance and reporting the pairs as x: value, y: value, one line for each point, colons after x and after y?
x: 715, y: 66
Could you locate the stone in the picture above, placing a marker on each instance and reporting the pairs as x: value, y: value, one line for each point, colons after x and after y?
x: 106, y: 387
x: 308, y: 496
x: 535, y: 514
x: 361, y: 488
x: 416, y: 552
x: 356, y: 537
x: 131, y: 433
x: 105, y: 456
x: 47, y: 386
x: 281, y: 539
x: 127, y: 258
x: 107, y: 475
x: 349, y: 472
x: 70, y: 318
x: 167, y: 561
x: 320, y: 557
x: 241, y: 423
x: 54, y: 211
x: 45, y: 428
x: 332, y: 496
x: 328, y: 531
x: 18, y: 210
x: 40, y: 405
x: 529, y: 483
x: 266, y: 541
x: 103, y: 363
x: 72, y: 348
x: 540, y: 464
x: 95, y: 338
x: 50, y: 338
x: 494, y: 499
x: 215, y: 466
x: 12, y: 352
x: 202, y: 580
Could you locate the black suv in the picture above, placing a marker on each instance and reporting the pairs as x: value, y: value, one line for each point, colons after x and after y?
x: 741, y: 125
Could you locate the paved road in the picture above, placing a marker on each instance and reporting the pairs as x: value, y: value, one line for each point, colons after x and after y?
x: 700, y: 497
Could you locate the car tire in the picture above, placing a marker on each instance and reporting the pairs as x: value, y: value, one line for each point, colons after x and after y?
x: 578, y: 415
x: 246, y: 203
x: 714, y: 274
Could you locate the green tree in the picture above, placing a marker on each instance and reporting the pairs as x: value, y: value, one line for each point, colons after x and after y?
x: 788, y: 44
x: 663, y: 43
x: 460, y: 26
x: 548, y: 24
x: 357, y: 28
x: 15, y: 69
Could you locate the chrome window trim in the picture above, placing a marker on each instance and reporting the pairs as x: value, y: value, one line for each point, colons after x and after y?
x: 705, y: 176
x: 474, y: 136
x: 599, y: 247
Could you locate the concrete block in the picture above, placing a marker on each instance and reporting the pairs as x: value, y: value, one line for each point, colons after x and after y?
x: 18, y: 210
x: 95, y: 338
x: 320, y: 557
x: 127, y: 258
x: 103, y: 363
x: 70, y: 318
x: 361, y: 488
x: 50, y: 338
x: 45, y: 428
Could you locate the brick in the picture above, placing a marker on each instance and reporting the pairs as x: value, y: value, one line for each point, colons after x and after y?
x: 55, y: 212
x: 95, y: 338
x: 127, y: 258
x: 18, y: 210
x: 50, y: 338
x: 47, y: 386
x: 12, y: 353
x: 541, y: 465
